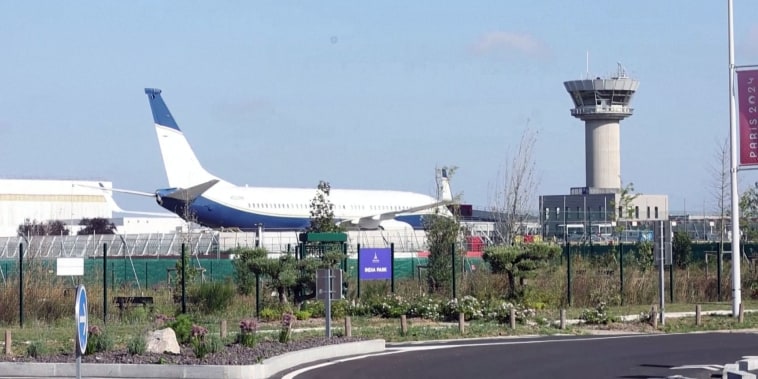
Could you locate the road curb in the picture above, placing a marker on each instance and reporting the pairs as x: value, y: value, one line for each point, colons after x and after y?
x: 266, y: 369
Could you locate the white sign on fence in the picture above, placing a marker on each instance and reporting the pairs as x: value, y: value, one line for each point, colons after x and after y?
x: 69, y: 267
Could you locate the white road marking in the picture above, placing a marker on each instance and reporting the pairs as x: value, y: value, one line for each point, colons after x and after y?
x: 701, y: 367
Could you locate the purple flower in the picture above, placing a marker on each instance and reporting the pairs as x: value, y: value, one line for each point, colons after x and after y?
x: 249, y: 325
x: 287, y: 320
x: 199, y: 331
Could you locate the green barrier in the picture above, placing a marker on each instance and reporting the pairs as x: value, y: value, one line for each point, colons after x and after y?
x: 152, y: 273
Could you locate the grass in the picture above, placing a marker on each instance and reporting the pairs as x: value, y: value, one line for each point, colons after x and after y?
x: 49, y: 306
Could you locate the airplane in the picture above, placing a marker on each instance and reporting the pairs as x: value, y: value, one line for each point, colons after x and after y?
x: 197, y: 195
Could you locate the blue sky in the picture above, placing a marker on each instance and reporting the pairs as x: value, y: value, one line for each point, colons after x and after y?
x: 364, y: 94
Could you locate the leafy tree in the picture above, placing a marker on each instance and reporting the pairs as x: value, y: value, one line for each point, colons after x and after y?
x: 645, y: 256
x: 285, y: 275
x: 519, y: 261
x: 749, y: 213
x: 624, y: 210
x: 97, y: 225
x: 242, y: 269
x: 681, y: 249
x: 49, y: 228
x: 322, y: 211
x: 442, y: 228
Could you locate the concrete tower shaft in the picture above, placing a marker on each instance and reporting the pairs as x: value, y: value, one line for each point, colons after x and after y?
x: 601, y: 104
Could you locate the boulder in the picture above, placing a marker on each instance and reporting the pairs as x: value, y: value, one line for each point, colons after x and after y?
x: 162, y: 341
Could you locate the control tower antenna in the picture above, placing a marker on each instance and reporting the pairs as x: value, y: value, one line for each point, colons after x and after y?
x: 602, y: 103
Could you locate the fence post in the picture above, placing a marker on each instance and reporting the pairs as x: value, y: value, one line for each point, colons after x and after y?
x: 348, y: 327
x: 563, y: 319
x: 568, y: 273
x: 105, y: 283
x: 392, y: 266
x: 358, y: 276
x: 403, y: 325
x: 184, y: 283
x: 21, y: 284
x: 452, y: 254
x: 621, y: 271
x: 698, y: 316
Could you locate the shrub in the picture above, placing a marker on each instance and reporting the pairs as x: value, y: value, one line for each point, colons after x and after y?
x: 599, y: 315
x: 268, y: 314
x: 247, y: 334
x: 198, y: 342
x: 314, y: 307
x: 98, y: 340
x: 391, y: 306
x: 136, y: 345
x: 302, y: 315
x: 213, y: 297
x: 468, y: 305
x: 183, y: 328
x: 426, y: 307
x: 288, y: 320
x: 35, y: 349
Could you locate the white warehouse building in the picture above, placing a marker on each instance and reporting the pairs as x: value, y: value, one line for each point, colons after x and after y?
x: 33, y: 200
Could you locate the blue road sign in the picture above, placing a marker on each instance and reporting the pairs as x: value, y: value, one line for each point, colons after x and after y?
x: 80, y: 312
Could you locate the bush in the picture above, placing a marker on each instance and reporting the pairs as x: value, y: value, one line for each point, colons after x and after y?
x: 468, y: 305
x: 302, y: 315
x: 98, y: 340
x: 35, y: 349
x: 136, y: 345
x: 183, y: 328
x: 599, y: 315
x: 269, y: 314
x: 247, y: 334
x: 213, y: 297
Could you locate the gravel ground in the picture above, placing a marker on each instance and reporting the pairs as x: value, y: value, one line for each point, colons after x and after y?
x: 234, y: 354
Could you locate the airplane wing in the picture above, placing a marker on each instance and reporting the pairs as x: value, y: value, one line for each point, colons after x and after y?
x: 373, y: 221
x: 104, y: 189
x: 116, y: 208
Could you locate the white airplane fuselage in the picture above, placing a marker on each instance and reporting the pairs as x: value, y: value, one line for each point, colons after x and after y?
x: 199, y: 196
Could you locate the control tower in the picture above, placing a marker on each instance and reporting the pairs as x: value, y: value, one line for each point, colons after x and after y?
x: 601, y: 103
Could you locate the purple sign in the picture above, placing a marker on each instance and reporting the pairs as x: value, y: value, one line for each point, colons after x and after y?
x: 375, y: 264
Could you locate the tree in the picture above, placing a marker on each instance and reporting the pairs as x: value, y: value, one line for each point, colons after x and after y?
x: 624, y: 210
x: 721, y: 183
x: 514, y: 195
x: 681, y: 249
x: 97, y: 225
x: 442, y: 228
x: 285, y: 275
x: 322, y: 211
x: 49, y: 228
x: 749, y: 213
x: 520, y: 260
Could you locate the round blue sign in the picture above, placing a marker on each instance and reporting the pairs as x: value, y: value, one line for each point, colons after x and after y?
x: 80, y: 312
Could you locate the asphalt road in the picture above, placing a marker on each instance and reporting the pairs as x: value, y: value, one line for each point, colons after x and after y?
x: 637, y: 356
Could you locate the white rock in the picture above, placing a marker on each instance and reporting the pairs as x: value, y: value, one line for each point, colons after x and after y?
x: 163, y: 341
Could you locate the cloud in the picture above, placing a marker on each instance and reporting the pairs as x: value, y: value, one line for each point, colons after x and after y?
x: 506, y: 42
x: 752, y: 39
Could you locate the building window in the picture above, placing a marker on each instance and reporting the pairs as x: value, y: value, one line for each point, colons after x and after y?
x: 636, y: 212
x: 656, y: 212
x: 648, y: 212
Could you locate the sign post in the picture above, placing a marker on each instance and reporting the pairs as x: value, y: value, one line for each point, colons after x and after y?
x: 82, y: 329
